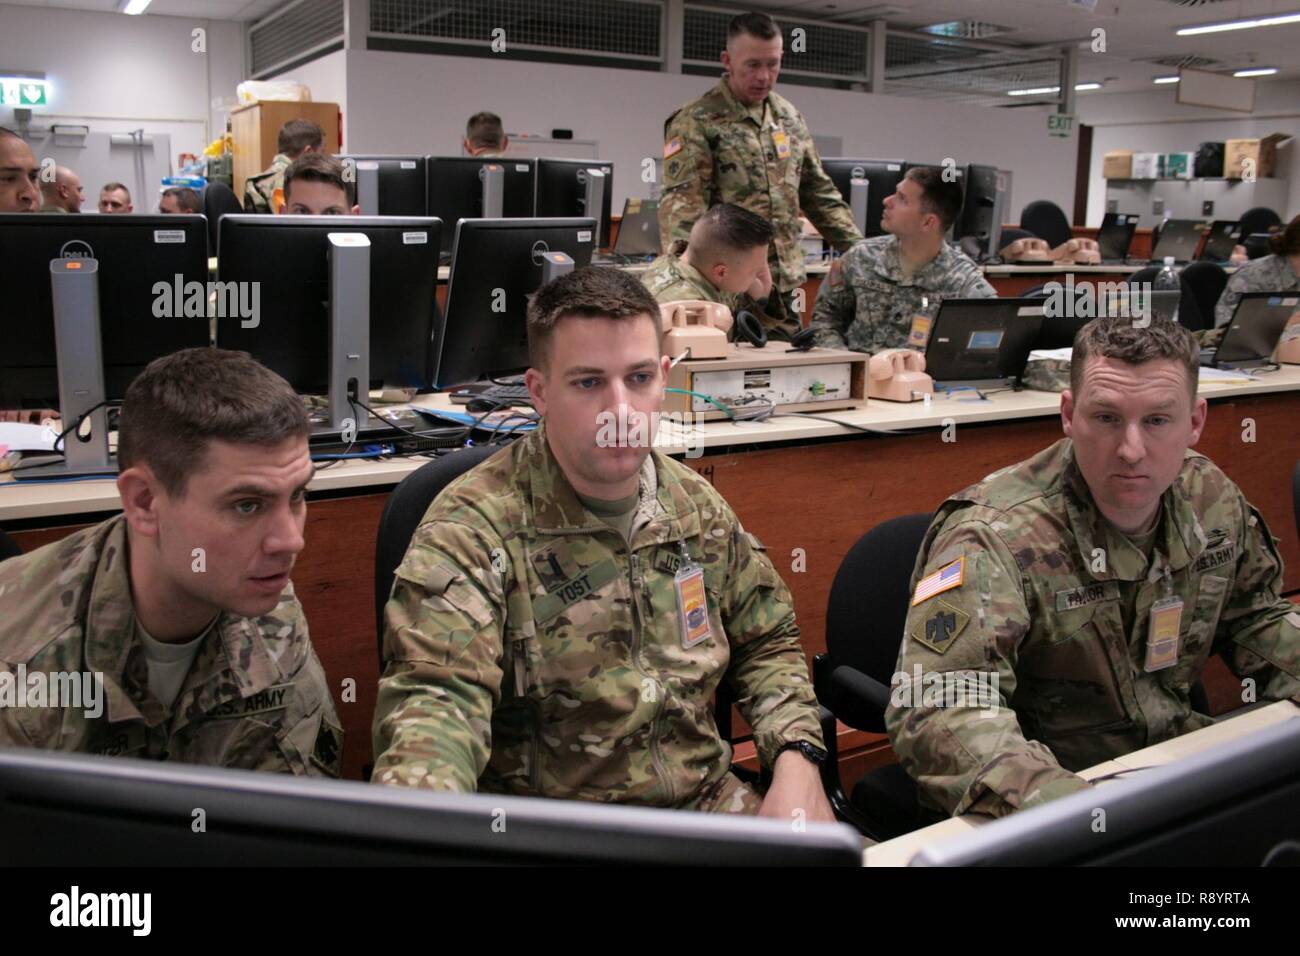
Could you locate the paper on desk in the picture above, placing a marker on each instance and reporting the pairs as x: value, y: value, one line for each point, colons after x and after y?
x: 23, y: 437
x: 1208, y: 374
x: 1062, y: 355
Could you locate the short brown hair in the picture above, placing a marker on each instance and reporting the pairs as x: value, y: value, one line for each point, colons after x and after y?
x: 186, y: 198
x: 938, y: 196
x: 485, y: 129
x: 1287, y: 242
x: 296, y: 135
x: 594, y: 292
x: 181, y: 401
x: 318, y: 168
x: 1118, y: 338
x: 112, y: 187
x: 755, y: 24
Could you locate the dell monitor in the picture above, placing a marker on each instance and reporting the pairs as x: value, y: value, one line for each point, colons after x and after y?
x: 576, y: 187
x: 59, y: 809
x: 389, y: 185
x: 465, y: 187
x: 497, y: 265
x: 881, y: 177
x: 315, y: 287
x: 89, y: 302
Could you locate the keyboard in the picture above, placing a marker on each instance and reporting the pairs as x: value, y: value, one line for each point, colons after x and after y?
x: 496, y: 394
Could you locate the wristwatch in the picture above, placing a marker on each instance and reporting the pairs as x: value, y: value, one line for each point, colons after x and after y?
x: 814, y: 754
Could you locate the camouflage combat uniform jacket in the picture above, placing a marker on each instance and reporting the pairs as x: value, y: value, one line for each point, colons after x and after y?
x: 527, y: 652
x: 1055, y: 602
x: 259, y: 190
x: 762, y: 157
x: 866, y: 304
x: 670, y: 278
x: 255, y: 697
x: 1265, y: 274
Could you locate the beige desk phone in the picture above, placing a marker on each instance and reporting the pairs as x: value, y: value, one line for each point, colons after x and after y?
x: 1077, y: 252
x: 898, y: 375
x: 697, y: 325
x: 1026, y: 250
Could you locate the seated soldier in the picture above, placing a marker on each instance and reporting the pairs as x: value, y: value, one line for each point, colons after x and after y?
x: 296, y: 138
x: 1277, y: 272
x: 485, y: 136
x: 175, y: 621
x: 314, y: 185
x: 180, y: 199
x: 63, y: 193
x: 724, y: 261
x: 885, y: 291
x: 115, y: 198
x: 20, y: 174
x: 1077, y: 596
x: 567, y: 609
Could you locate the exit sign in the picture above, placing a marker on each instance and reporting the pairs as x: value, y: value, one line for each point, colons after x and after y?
x: 21, y: 91
x: 1060, y: 124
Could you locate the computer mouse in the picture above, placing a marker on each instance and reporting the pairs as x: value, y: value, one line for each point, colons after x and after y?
x: 477, y: 406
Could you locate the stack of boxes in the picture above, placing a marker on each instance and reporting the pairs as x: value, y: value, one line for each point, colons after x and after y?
x: 1239, y: 155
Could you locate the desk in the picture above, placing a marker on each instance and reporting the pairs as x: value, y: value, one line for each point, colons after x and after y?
x: 898, y: 851
x: 832, y: 484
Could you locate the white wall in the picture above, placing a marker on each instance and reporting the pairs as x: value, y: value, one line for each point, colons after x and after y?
x: 419, y: 103
x: 1154, y: 122
x: 327, y: 80
x: 118, y: 73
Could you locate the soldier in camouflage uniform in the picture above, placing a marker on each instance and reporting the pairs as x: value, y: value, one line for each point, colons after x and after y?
x: 744, y: 144
x: 567, y: 609
x: 725, y: 261
x: 1278, y: 272
x: 1044, y: 576
x: 296, y: 138
x: 175, y: 625
x: 885, y: 292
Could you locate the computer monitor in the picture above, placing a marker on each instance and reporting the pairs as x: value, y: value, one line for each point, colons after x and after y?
x: 1255, y: 328
x: 576, y: 187
x: 497, y: 264
x: 459, y: 187
x: 1222, y: 239
x: 1230, y: 805
x: 89, y: 301
x: 1116, y: 235
x: 881, y: 177
x: 983, y: 209
x: 60, y: 809
x: 982, y: 340
x: 293, y: 264
x: 389, y: 185
x: 1178, y: 238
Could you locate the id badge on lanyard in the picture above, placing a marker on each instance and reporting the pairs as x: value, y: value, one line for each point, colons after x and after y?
x: 692, y: 602
x: 1163, y: 628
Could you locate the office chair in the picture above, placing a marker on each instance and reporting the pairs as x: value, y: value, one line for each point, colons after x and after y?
x: 1259, y: 219
x: 218, y: 200
x: 866, y: 616
x: 8, y: 547
x: 1205, y: 280
x: 1047, y: 221
x: 1257, y: 244
x: 1190, y: 315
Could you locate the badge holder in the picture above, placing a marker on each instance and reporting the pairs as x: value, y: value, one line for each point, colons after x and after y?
x: 1162, y: 629
x: 692, y: 602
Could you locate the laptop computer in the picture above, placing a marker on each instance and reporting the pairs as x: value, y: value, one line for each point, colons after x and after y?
x: 1179, y: 238
x: 1224, y: 236
x: 982, y: 341
x: 638, y: 231
x: 1116, y: 235
x: 1254, y: 330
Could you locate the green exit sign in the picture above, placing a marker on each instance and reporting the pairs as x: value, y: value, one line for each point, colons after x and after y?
x: 22, y: 91
x: 1060, y: 124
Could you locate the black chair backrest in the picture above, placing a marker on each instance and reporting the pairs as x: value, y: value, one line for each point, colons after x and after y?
x: 1190, y: 315
x: 1206, y: 281
x: 1046, y: 220
x: 867, y: 609
x: 1011, y: 235
x: 8, y: 547
x: 218, y: 200
x: 406, y: 506
x: 1259, y: 219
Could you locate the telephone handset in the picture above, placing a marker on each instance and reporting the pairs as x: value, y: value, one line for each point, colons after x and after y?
x: 697, y: 325
x: 1026, y: 250
x: 898, y: 375
x: 1079, y: 252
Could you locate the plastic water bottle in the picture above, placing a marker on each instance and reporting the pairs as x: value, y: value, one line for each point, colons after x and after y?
x: 1167, y: 281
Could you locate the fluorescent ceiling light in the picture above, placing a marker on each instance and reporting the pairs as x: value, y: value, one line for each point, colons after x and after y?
x: 1165, y: 79
x: 1083, y: 87
x: 1247, y: 24
x: 133, y: 7
x: 1257, y: 71
x: 1035, y: 91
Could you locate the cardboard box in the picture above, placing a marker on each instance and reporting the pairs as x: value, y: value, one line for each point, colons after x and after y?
x: 1146, y: 165
x: 1177, y: 165
x: 1263, y: 151
x: 1118, y: 164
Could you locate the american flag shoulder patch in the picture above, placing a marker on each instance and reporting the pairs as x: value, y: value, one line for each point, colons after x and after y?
x: 673, y: 147
x: 945, y: 579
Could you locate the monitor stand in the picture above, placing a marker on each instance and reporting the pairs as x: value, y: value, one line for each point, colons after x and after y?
x: 593, y: 199
x: 368, y: 187
x: 858, y: 191
x: 493, y: 177
x: 80, y: 355
x: 349, y: 331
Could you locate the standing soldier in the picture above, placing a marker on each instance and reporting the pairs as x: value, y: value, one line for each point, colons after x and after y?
x: 744, y: 144
x: 297, y: 138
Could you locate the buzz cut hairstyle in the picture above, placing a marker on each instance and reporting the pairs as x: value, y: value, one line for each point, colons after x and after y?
x: 734, y: 227
x: 113, y: 187
x: 296, y: 135
x: 759, y: 25
x: 1117, y: 338
x: 597, y: 292
x: 485, y: 129
x: 938, y: 196
x: 186, y: 198
x: 184, y: 400
x: 319, y: 168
